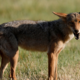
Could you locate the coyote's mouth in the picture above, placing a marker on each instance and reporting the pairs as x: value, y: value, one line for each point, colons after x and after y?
x: 76, y: 36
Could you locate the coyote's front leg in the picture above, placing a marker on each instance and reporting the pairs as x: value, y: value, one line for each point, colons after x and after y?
x: 52, y: 62
x: 51, y: 65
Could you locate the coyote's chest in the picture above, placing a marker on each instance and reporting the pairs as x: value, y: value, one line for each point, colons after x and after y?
x: 70, y: 37
x: 62, y: 44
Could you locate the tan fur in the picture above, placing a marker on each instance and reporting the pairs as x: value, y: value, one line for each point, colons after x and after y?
x: 50, y: 36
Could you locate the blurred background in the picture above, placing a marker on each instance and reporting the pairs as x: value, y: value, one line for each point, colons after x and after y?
x: 35, y: 9
x: 33, y: 65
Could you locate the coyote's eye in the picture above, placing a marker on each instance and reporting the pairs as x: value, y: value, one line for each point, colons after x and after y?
x: 79, y: 21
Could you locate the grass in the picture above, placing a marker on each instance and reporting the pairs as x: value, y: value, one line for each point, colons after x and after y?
x: 33, y: 65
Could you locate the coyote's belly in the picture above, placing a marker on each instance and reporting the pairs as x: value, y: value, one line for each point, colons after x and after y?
x: 37, y: 43
x: 34, y: 45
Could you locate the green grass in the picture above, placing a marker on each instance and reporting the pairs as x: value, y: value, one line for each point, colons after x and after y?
x: 33, y: 65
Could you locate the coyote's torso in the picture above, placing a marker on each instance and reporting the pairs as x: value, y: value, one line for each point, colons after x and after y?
x: 38, y: 35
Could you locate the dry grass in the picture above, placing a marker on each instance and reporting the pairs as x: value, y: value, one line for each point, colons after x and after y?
x: 33, y: 65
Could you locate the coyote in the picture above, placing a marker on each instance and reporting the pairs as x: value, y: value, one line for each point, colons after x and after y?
x: 50, y: 36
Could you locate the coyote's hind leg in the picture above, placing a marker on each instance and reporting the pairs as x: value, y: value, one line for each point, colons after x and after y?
x: 4, y: 64
x: 13, y: 63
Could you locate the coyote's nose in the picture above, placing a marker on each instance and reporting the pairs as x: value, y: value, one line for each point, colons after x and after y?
x: 76, y: 31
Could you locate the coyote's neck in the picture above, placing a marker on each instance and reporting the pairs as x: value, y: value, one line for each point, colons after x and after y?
x: 61, y: 30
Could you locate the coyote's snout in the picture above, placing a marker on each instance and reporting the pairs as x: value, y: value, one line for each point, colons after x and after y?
x: 50, y: 36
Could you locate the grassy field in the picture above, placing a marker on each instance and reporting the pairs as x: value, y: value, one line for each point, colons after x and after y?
x: 33, y: 65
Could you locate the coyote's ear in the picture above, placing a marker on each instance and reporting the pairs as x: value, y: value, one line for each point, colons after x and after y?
x: 61, y: 15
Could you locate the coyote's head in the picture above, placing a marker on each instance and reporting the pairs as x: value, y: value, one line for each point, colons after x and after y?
x: 72, y: 20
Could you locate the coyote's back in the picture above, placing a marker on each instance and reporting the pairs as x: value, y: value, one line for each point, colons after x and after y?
x: 31, y: 35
